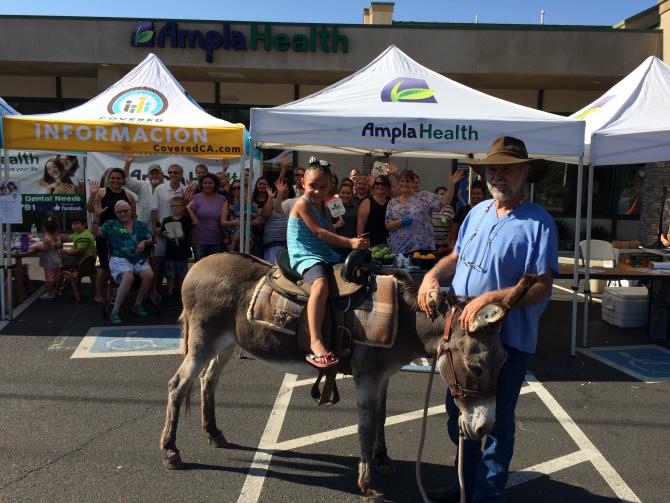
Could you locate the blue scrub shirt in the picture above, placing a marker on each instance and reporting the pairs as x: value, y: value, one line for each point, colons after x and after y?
x: 494, y: 252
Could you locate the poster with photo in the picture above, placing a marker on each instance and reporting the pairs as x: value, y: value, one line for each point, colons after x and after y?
x: 49, y: 181
x: 11, y: 209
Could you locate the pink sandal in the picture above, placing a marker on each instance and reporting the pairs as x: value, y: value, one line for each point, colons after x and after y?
x: 322, y: 361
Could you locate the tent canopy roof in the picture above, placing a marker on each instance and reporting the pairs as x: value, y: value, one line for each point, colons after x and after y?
x: 147, y: 108
x: 630, y: 123
x: 5, y: 109
x: 396, y: 105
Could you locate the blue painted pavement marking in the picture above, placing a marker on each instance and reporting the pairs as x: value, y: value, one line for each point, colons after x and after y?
x: 648, y: 363
x: 137, y: 339
x: 142, y: 340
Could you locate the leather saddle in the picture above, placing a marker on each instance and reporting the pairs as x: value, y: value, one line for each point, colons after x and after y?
x: 348, y: 288
x: 287, y: 281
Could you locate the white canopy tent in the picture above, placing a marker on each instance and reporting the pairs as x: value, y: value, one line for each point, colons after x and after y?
x: 146, y: 112
x: 629, y: 124
x: 396, y: 106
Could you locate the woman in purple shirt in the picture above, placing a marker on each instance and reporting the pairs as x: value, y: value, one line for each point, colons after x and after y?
x: 208, y: 210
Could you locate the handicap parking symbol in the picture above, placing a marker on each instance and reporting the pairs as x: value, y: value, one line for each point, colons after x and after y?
x: 648, y: 363
x: 129, y: 341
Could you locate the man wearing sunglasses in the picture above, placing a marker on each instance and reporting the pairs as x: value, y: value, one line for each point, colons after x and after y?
x: 299, y: 177
x: 160, y: 210
x: 500, y: 240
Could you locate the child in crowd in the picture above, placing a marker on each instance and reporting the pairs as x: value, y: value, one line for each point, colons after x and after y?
x: 50, y: 258
x: 309, y: 235
x: 177, y: 230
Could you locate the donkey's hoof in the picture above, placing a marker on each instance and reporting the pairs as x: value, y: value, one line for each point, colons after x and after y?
x: 372, y: 496
x: 219, y: 441
x: 172, y: 460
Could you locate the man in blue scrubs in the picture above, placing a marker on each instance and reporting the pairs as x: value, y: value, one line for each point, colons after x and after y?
x: 500, y: 240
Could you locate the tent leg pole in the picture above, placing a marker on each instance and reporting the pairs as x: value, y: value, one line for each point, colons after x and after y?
x: 252, y: 177
x: 575, y: 270
x: 587, y: 258
x: 2, y: 274
x: 10, y: 299
x: 243, y: 208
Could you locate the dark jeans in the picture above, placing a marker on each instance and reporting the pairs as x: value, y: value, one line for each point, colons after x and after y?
x: 485, y: 473
x: 202, y: 251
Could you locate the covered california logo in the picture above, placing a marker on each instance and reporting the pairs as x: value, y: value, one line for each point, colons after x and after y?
x: 409, y: 90
x: 138, y: 100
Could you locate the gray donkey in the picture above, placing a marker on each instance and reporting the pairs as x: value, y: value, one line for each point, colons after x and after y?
x: 216, y: 295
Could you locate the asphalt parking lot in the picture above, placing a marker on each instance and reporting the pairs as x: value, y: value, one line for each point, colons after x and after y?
x: 87, y: 428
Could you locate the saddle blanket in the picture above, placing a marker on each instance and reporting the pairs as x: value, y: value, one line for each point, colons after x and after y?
x: 270, y: 309
x: 374, y: 322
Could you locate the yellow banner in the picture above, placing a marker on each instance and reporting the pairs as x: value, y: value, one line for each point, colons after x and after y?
x: 24, y: 133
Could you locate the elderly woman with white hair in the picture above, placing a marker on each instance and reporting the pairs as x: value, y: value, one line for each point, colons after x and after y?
x: 128, y: 241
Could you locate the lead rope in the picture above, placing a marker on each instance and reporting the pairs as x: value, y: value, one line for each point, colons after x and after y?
x: 461, y: 484
x: 417, y: 468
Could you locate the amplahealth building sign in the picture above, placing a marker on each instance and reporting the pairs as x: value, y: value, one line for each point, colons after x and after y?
x: 258, y: 37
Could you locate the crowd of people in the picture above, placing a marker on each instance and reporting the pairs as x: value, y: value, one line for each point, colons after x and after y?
x: 193, y: 220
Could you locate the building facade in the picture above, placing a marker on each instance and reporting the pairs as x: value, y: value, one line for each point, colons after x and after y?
x: 229, y: 67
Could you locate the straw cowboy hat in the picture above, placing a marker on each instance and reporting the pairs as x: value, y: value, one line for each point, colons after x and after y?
x: 506, y: 151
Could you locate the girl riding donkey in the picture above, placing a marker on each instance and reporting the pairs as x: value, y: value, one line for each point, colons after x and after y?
x: 309, y: 235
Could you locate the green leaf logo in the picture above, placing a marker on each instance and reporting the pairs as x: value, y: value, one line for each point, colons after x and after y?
x: 408, y: 89
x: 144, y: 37
x: 394, y: 91
x: 415, y: 94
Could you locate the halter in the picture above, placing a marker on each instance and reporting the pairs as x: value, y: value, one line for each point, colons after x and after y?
x: 454, y: 387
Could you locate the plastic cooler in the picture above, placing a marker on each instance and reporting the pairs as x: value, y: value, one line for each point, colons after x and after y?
x: 626, y: 307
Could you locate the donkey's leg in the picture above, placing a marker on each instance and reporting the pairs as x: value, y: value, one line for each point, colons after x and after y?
x: 383, y: 463
x: 368, y: 389
x: 208, y: 381
x: 179, y: 387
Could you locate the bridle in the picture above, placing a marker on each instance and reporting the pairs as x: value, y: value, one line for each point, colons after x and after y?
x: 457, y: 391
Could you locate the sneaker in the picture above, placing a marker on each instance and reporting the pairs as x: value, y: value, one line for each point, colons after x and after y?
x: 140, y: 311
x: 114, y: 318
x: 47, y: 296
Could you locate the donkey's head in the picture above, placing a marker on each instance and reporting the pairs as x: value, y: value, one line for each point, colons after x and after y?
x: 470, y: 362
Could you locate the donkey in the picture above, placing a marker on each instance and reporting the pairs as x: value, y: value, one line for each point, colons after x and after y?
x: 216, y: 294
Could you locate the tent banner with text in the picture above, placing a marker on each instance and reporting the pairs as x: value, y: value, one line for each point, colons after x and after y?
x: 26, y: 132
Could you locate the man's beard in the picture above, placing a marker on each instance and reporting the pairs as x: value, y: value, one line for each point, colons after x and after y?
x: 502, y: 192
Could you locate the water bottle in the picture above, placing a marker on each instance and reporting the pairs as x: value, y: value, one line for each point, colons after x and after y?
x: 24, y: 243
x: 33, y: 229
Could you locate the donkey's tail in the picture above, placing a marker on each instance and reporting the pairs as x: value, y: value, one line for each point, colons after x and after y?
x: 183, y: 320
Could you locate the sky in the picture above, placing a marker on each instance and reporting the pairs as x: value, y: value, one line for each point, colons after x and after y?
x: 581, y: 12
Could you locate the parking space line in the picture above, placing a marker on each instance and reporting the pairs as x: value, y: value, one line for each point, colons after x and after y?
x: 548, y: 467
x: 253, y: 484
x: 325, y: 436
x: 607, y: 471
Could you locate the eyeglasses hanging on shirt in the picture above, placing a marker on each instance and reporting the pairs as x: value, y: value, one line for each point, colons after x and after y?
x: 483, y: 264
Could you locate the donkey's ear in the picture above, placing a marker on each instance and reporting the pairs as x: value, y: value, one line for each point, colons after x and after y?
x: 433, y: 299
x: 488, y: 315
